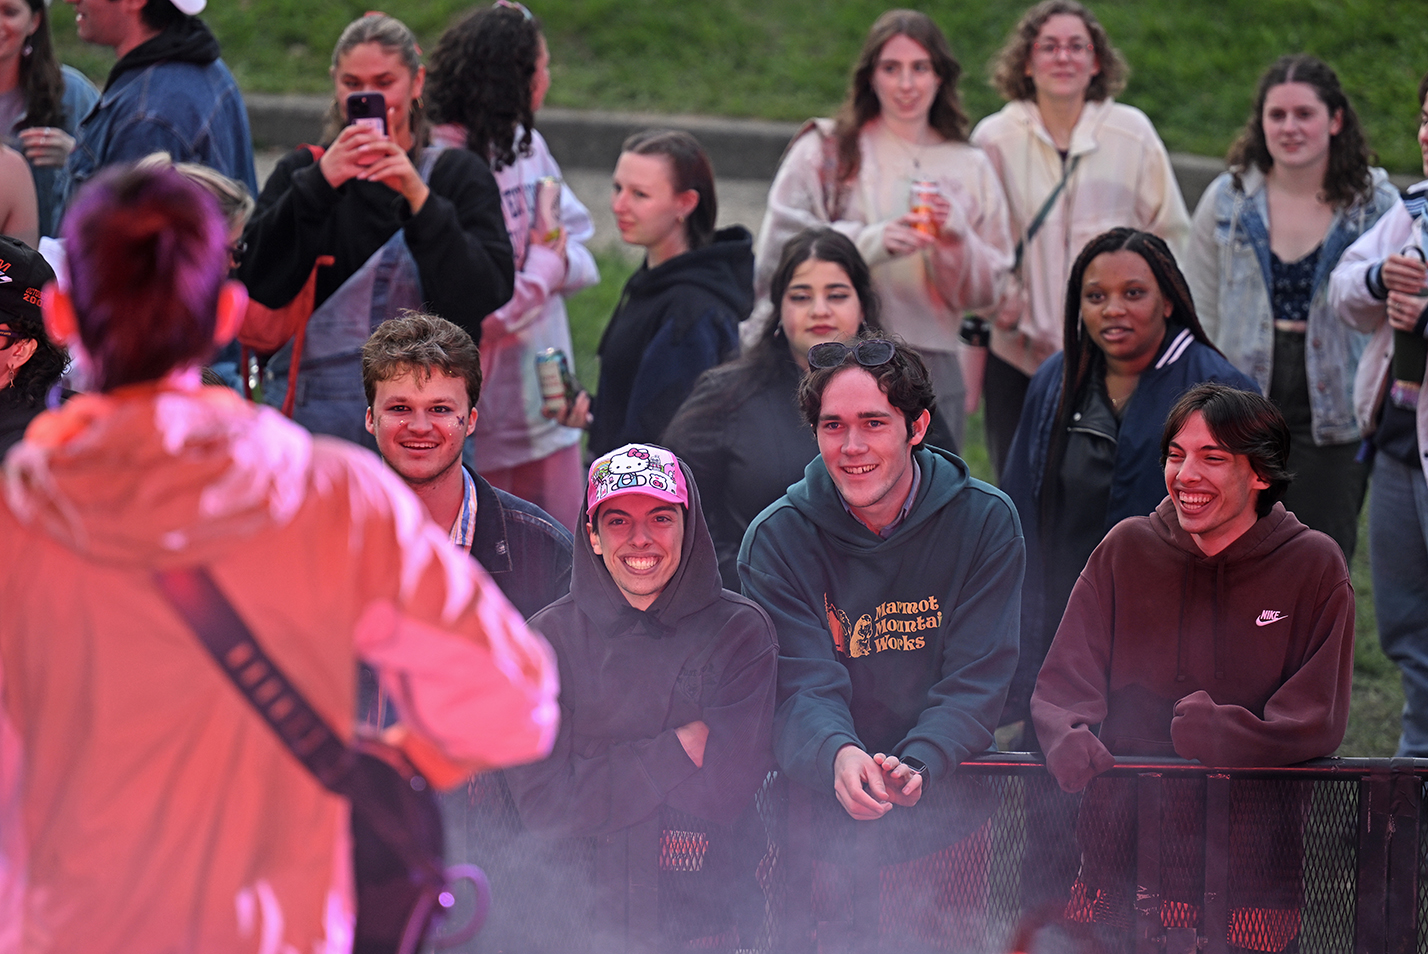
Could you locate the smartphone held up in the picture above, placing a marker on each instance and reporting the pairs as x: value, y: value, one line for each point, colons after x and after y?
x: 368, y: 109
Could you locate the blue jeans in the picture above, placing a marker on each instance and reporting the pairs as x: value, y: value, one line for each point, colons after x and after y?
x: 1398, y: 551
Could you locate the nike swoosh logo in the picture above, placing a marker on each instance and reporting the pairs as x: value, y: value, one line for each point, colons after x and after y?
x: 1269, y: 616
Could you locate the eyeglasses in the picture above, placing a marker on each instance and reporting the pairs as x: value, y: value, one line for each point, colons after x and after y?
x: 514, y: 5
x: 11, y: 337
x: 1049, y: 48
x: 872, y: 353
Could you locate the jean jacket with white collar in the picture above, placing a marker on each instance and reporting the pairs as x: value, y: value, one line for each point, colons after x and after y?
x: 1228, y: 268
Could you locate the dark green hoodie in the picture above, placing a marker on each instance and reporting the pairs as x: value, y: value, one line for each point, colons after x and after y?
x: 904, y: 645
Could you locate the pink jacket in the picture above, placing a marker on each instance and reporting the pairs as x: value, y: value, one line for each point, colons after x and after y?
x: 146, y: 807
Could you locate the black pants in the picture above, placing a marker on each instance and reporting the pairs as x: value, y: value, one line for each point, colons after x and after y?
x: 1004, y: 391
x: 1329, y: 484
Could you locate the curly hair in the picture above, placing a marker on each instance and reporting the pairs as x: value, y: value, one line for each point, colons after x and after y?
x: 903, y: 379
x: 480, y: 76
x: 46, y: 363
x: 1008, y: 67
x: 393, y: 36
x: 861, y: 105
x: 40, y: 76
x: 1347, y: 179
x: 420, y: 343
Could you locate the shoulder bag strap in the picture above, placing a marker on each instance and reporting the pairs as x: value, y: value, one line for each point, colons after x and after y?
x: 227, y: 638
x: 830, y: 188
x: 1044, y: 211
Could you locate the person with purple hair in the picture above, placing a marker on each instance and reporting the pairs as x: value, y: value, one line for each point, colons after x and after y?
x: 144, y: 804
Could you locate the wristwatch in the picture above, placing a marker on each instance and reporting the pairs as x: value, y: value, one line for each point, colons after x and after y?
x: 918, y: 767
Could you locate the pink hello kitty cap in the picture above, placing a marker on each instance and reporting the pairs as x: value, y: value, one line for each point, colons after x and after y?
x: 636, y: 469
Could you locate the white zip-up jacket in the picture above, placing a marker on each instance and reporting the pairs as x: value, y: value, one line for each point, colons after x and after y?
x: 1124, y: 178
x: 1358, y: 305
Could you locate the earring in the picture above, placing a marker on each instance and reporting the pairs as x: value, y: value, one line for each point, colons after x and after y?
x: 680, y: 220
x: 27, y: 50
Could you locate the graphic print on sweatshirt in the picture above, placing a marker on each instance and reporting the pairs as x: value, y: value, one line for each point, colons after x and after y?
x: 894, y: 625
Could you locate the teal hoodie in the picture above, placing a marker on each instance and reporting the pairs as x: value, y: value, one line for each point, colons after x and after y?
x: 904, y: 645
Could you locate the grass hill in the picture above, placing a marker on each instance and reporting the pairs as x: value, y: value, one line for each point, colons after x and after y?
x: 1193, y: 62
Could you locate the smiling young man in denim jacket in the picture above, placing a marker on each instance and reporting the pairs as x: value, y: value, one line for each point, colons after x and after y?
x: 168, y: 92
x: 422, y: 375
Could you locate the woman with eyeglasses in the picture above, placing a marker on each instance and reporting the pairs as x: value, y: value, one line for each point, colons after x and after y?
x: 489, y: 76
x: 1086, y: 454
x: 30, y: 363
x: 1267, y: 235
x: 41, y: 101
x: 1074, y: 163
x: 740, y: 431
x: 895, y: 173
x: 679, y: 313
x: 403, y: 222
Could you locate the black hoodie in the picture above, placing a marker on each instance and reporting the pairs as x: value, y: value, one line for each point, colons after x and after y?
x: 629, y: 678
x: 188, y: 40
x: 171, y: 93
x: 673, y: 323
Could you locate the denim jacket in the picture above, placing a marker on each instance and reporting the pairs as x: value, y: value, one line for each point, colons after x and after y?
x: 79, y: 98
x: 525, y: 550
x: 191, y: 110
x: 1229, y: 274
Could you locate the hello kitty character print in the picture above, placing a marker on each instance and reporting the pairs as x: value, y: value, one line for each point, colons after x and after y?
x: 637, y: 468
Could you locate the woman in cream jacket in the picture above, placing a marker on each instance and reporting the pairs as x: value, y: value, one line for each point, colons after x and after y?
x: 1058, y: 73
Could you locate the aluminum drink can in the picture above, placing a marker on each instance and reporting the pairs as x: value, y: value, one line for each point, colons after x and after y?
x: 920, y: 204
x: 553, y: 372
x: 547, y: 208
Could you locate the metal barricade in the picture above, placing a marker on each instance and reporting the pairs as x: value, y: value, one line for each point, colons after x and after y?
x: 1163, y: 857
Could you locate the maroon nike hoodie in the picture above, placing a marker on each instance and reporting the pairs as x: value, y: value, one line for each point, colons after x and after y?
x: 1242, y: 658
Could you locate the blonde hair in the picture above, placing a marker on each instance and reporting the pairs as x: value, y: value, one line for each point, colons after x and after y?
x: 234, y: 199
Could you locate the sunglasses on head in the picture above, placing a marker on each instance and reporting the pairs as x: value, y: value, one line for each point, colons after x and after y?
x: 514, y: 5
x: 872, y: 353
